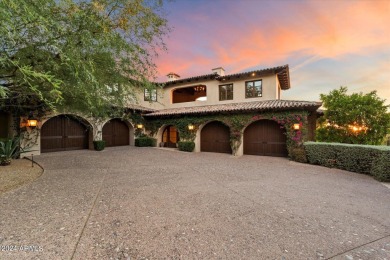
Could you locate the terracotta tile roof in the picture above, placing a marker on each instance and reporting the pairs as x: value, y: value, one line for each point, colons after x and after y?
x: 190, y: 79
x: 281, y: 71
x: 239, y: 107
x: 140, y: 108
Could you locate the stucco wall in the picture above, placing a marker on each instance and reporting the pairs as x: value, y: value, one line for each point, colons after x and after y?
x: 270, y: 87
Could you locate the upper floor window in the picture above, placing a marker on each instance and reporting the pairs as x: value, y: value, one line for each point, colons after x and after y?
x: 253, y: 89
x: 150, y: 94
x: 226, y: 92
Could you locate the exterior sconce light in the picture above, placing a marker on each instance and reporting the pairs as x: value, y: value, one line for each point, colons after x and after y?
x: 31, y: 122
x: 191, y: 127
x: 296, y: 126
x: 140, y: 126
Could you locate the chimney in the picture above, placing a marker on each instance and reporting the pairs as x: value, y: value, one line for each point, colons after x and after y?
x: 173, y: 76
x: 219, y: 71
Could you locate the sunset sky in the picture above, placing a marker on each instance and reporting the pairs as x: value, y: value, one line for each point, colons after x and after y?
x: 327, y: 44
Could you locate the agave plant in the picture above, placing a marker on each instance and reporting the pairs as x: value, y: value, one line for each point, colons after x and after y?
x: 9, y: 149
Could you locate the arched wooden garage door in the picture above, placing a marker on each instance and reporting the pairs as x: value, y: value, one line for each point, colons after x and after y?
x: 265, y: 137
x: 215, y: 137
x: 116, y: 133
x: 63, y: 133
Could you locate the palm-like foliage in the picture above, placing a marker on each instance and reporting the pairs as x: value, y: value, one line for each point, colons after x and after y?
x: 9, y: 149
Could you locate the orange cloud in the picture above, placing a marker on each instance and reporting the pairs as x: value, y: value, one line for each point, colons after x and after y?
x: 319, y: 29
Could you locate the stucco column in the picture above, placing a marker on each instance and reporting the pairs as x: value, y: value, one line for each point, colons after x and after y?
x: 240, y: 149
x: 31, y: 142
x: 197, y: 141
x: 98, y: 131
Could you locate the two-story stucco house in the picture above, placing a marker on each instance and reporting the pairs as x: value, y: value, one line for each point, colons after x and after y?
x: 241, y: 113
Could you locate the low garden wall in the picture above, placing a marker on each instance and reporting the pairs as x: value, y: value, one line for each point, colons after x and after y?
x: 367, y: 159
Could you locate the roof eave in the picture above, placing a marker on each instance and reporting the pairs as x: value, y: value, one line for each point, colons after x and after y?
x: 281, y: 71
x: 310, y: 107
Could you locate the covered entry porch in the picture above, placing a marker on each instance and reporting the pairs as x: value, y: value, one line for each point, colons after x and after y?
x: 262, y: 128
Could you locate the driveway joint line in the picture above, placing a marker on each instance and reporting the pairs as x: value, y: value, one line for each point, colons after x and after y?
x: 88, y: 216
x: 349, y: 250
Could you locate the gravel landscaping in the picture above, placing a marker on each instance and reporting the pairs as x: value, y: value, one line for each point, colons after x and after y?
x: 17, y: 174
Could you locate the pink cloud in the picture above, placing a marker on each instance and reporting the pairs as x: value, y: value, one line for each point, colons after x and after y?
x: 320, y: 29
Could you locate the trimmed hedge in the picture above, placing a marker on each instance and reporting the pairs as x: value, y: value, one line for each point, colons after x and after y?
x: 367, y: 159
x: 298, y: 154
x: 381, y: 167
x: 99, y: 145
x: 145, y: 141
x: 186, y: 146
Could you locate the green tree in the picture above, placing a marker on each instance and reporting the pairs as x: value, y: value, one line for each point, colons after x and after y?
x: 88, y: 55
x: 357, y: 118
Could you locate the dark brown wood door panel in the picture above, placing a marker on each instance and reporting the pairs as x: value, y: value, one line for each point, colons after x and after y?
x: 265, y: 138
x: 215, y: 137
x: 63, y: 133
x: 116, y: 133
x: 4, y: 124
x: 170, y: 137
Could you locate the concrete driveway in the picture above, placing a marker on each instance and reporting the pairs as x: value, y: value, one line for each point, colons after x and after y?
x: 149, y: 203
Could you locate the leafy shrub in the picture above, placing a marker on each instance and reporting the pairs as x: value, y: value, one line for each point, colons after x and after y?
x: 9, y: 149
x: 186, y: 146
x: 354, y: 119
x: 298, y: 154
x: 99, y: 145
x: 145, y: 141
x: 367, y: 159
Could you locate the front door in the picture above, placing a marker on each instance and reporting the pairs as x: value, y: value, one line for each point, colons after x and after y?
x: 170, y: 136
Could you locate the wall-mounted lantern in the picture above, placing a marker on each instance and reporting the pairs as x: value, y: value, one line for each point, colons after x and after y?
x: 191, y: 127
x: 296, y: 126
x: 140, y: 126
x: 32, y: 122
